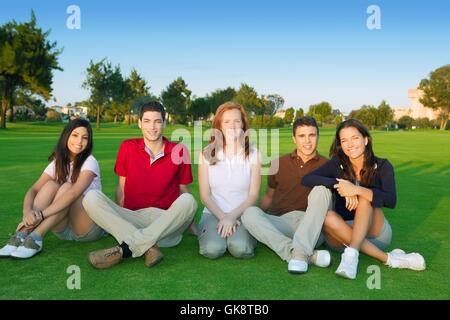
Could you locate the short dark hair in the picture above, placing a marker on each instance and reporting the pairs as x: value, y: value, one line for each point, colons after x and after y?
x: 152, y: 106
x: 305, y: 121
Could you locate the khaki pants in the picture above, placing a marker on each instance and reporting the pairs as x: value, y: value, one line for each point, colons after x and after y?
x: 240, y: 245
x: 141, y: 229
x: 295, y: 229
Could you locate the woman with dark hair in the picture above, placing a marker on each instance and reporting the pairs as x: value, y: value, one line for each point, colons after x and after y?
x: 229, y: 181
x: 54, y: 201
x: 363, y: 185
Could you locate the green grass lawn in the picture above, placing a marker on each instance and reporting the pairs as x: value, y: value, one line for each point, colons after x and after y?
x: 421, y: 222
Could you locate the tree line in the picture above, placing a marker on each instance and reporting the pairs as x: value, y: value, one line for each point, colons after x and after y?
x: 28, y: 59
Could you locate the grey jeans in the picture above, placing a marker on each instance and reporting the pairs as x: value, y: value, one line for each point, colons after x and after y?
x: 240, y: 245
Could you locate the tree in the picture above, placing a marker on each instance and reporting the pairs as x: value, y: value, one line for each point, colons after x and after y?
x: 137, y: 89
x: 385, y: 114
x: 289, y: 115
x: 405, y: 122
x: 247, y: 97
x: 200, y: 108
x: 337, y: 120
x: 27, y: 61
x: 366, y: 114
x: 422, y: 123
x: 219, y: 97
x: 320, y: 111
x: 25, y: 98
x: 106, y: 85
x: 176, y: 99
x: 436, y: 93
x: 272, y: 103
x: 299, y: 113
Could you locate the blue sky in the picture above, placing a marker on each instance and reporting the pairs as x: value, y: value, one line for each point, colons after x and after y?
x: 307, y: 51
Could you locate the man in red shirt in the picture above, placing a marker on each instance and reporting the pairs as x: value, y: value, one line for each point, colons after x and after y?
x: 154, y: 206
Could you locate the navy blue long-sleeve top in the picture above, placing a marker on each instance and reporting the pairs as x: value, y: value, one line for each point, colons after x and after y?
x: 383, y: 187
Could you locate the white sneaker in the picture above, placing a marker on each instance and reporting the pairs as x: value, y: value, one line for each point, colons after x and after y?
x: 12, y: 245
x: 397, y: 258
x: 28, y: 249
x: 321, y: 258
x: 297, y: 266
x: 349, y: 263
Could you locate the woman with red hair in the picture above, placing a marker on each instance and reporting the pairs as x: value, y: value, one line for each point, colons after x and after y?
x: 229, y: 181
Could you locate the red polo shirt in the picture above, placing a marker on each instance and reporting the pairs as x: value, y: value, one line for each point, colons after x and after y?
x: 152, y: 185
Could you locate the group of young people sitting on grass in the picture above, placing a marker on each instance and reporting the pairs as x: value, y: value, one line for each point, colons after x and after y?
x: 309, y: 200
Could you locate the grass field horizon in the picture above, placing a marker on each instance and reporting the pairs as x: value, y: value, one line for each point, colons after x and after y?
x: 420, y: 222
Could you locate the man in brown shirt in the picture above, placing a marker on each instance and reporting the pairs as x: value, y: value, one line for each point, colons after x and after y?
x: 290, y: 217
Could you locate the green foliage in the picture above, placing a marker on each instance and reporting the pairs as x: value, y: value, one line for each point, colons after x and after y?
x: 247, y: 97
x: 436, y: 93
x: 405, y: 122
x: 321, y: 112
x: 200, y: 108
x: 108, y: 90
x: 299, y: 113
x: 268, y: 122
x: 373, y: 117
x: 219, y: 97
x: 384, y: 115
x: 27, y: 61
x: 176, y: 100
x: 289, y: 116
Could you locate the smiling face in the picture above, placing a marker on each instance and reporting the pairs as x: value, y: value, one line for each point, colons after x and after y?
x: 353, y: 143
x: 78, y: 141
x: 231, y: 124
x: 151, y: 125
x: 306, y: 140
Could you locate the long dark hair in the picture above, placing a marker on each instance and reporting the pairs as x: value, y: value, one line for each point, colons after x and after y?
x: 368, y: 170
x: 61, y: 153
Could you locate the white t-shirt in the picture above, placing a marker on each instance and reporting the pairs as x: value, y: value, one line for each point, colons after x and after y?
x: 230, y: 179
x: 90, y: 164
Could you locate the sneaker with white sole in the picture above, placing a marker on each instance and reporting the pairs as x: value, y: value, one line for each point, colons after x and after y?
x: 14, y: 242
x: 397, y: 258
x: 349, y: 264
x: 320, y: 258
x: 28, y: 249
x: 297, y: 266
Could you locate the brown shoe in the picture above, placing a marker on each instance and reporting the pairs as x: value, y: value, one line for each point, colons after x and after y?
x: 105, y: 258
x: 153, y: 256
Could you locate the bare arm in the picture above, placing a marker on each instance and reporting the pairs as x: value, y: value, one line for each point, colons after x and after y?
x: 73, y: 193
x: 267, y: 199
x: 184, y: 188
x: 205, y: 190
x: 120, y: 191
x: 32, y: 192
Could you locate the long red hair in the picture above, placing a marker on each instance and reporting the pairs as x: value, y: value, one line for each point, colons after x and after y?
x: 214, y: 145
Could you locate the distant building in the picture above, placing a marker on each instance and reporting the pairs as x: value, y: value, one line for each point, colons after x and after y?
x: 76, y: 111
x: 22, y: 109
x: 417, y: 110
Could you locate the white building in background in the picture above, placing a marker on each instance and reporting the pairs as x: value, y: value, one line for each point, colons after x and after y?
x: 417, y: 110
x: 78, y: 111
